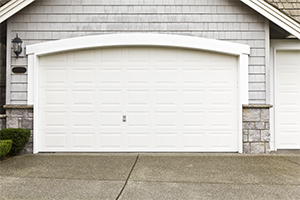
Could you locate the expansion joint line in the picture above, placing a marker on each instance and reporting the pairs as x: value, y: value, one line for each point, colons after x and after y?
x: 128, y: 178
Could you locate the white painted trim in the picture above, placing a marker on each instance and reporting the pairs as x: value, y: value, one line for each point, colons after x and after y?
x: 240, y: 50
x: 8, y: 63
x: 138, y: 40
x: 34, y: 77
x: 12, y: 7
x: 272, y: 100
x: 242, y: 95
x: 275, y: 15
x: 30, y: 78
x: 275, y: 46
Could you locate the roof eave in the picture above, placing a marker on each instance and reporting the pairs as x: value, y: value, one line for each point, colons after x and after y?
x: 274, y: 15
x: 12, y: 7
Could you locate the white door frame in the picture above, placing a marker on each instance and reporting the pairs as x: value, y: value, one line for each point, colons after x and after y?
x: 275, y: 46
x: 114, y: 40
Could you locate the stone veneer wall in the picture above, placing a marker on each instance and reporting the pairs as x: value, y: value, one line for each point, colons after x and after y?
x: 21, y: 116
x: 2, y: 121
x: 256, y: 129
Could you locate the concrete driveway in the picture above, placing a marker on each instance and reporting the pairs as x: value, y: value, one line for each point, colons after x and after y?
x: 151, y: 176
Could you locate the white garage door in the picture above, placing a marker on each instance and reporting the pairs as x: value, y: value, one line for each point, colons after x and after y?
x: 137, y: 99
x: 287, y: 100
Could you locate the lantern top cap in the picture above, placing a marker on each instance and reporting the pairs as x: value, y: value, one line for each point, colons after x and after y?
x: 17, y: 39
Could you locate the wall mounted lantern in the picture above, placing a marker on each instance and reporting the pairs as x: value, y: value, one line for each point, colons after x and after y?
x: 17, y: 45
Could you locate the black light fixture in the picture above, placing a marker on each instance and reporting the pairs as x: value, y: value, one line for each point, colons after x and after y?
x: 17, y: 45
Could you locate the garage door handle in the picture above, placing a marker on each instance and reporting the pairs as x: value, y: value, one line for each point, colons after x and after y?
x: 124, y: 118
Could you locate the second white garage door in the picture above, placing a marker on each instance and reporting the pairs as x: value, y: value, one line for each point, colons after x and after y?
x: 287, y: 121
x: 137, y: 99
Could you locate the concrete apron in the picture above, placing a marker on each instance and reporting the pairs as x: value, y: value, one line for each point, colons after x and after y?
x: 151, y: 176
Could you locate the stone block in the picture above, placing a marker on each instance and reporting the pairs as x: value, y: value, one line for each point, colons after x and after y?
x: 27, y: 123
x: 245, y: 138
x: 251, y: 115
x: 264, y: 115
x: 16, y: 113
x: 265, y: 135
x: 257, y: 148
x: 254, y: 135
x: 267, y: 148
x: 12, y: 122
x: 260, y: 125
x: 246, y: 148
x: 267, y: 126
x: 30, y: 114
x: 248, y: 125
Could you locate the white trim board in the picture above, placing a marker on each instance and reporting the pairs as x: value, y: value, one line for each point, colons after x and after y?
x: 99, y: 41
x: 275, y: 16
x: 12, y: 7
x: 276, y: 45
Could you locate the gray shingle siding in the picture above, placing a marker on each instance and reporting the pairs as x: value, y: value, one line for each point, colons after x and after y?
x: 230, y: 20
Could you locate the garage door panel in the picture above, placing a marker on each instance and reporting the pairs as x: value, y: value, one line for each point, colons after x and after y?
x: 166, y: 140
x: 111, y: 55
x: 288, y: 79
x: 84, y: 140
x: 288, y: 58
x: 83, y: 119
x: 83, y: 97
x: 139, y: 140
x: 138, y: 119
x: 141, y: 55
x: 83, y: 76
x: 54, y: 77
x: 138, y: 77
x: 195, y: 57
x: 288, y: 119
x: 166, y: 97
x: 289, y: 139
x: 166, y: 119
x: 221, y: 98
x: 166, y: 56
x: 111, y: 119
x: 54, y: 59
x: 194, y: 97
x: 194, y: 140
x: 288, y: 99
x: 223, y: 139
x: 193, y: 76
x: 172, y: 100
x: 220, y: 119
x: 111, y: 76
x: 138, y: 97
x: 55, y: 140
x: 111, y: 140
x: 110, y: 97
x: 222, y: 77
x: 193, y: 119
x: 54, y: 97
x: 84, y: 57
x: 165, y: 76
x: 55, y: 119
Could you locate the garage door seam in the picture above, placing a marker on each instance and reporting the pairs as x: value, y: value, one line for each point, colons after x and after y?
x: 137, y: 157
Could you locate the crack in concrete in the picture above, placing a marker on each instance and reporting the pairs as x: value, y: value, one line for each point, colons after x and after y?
x: 137, y: 157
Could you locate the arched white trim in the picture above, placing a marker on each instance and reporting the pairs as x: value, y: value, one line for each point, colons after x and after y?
x: 240, y: 50
x: 138, y: 40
